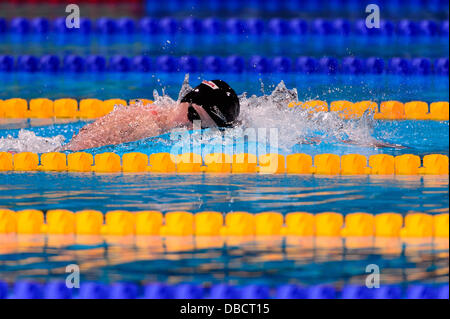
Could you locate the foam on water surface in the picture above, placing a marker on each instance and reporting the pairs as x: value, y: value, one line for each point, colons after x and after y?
x: 27, y: 141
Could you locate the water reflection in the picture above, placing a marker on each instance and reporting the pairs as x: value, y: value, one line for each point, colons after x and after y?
x: 235, y: 260
x: 223, y: 193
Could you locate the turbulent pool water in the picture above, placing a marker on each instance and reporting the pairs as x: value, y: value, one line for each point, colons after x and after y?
x: 266, y: 122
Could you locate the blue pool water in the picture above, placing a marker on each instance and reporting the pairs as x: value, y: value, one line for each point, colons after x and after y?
x: 416, y: 137
x: 237, y: 261
x: 141, y: 85
x: 225, y: 45
x: 224, y: 193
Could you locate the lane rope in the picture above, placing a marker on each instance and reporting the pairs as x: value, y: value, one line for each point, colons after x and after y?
x: 244, y: 163
x: 208, y: 223
x: 93, y: 108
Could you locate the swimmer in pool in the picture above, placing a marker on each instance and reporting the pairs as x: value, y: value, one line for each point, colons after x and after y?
x: 214, y: 103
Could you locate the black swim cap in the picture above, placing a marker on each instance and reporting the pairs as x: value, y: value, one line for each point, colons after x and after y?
x: 218, y: 99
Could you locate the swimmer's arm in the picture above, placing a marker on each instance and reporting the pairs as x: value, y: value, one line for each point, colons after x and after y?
x: 115, y: 128
x: 127, y: 125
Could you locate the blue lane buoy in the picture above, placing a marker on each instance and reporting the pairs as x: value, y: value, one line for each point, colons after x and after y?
x: 388, y: 292
x: 192, y: 25
x: 421, y: 66
x: 290, y: 291
x: 328, y: 65
x: 126, y: 25
x: 20, y: 25
x: 106, y: 25
x: 321, y: 292
x: 213, y: 64
x: 342, y: 26
x: 321, y: 26
x: 259, y: 64
x: 49, y: 63
x: 407, y: 27
x: 40, y: 25
x: 28, y: 63
x: 298, y: 26
x: 3, y: 290
x: 24, y: 289
x: 123, y: 290
x: 222, y: 291
x: 57, y: 290
x: 352, y: 65
x: 374, y: 65
x: 59, y: 25
x: 168, y: 25
x: 428, y: 28
x: 6, y: 63
x: 421, y: 292
x: 85, y: 26
x: 255, y: 292
x: 387, y: 28
x: 141, y: 63
x: 93, y: 290
x: 279, y: 26
x: 213, y: 26
x: 189, y: 64
x: 235, y: 64
x: 149, y: 25
x: 74, y: 63
x: 3, y: 25
x: 441, y: 66
x: 166, y: 63
x: 443, y: 28
x: 361, y: 28
x: 306, y: 65
x: 188, y: 291
x: 281, y: 64
x: 158, y: 291
x: 119, y: 63
x: 235, y: 26
x: 399, y: 66
x: 356, y: 292
x: 255, y: 26
x: 96, y: 63
x: 443, y: 292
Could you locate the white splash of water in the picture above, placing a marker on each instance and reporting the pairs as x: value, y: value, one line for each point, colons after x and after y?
x: 27, y: 141
x: 294, y: 124
x: 298, y: 125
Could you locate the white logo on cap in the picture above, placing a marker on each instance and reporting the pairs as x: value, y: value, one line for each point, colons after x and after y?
x: 212, y: 85
x: 215, y: 110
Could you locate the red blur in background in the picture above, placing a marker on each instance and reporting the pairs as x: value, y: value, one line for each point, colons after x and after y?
x: 56, y: 8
